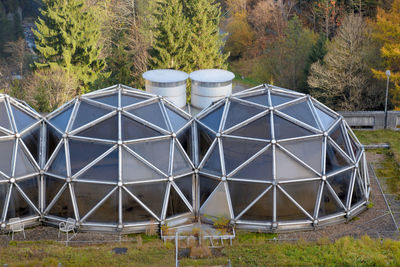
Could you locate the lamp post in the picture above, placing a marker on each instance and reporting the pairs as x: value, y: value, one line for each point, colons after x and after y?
x: 387, y: 93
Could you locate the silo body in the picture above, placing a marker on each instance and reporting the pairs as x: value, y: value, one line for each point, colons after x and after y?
x: 171, y: 84
x: 209, y: 85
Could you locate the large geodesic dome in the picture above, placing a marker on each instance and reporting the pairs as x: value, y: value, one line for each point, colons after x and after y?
x: 273, y: 159
x: 118, y: 159
x: 20, y: 134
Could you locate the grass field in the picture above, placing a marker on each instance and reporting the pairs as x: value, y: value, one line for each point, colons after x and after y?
x: 382, y: 136
x: 247, y: 250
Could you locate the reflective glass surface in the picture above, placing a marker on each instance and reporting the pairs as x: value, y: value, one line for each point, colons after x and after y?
x: 288, y: 168
x: 156, y: 152
x: 4, y: 120
x: 135, y: 130
x: 132, y: 211
x: 22, y: 119
x: 213, y: 162
x: 240, y: 112
x: 52, y: 186
x: 63, y: 206
x: 341, y: 184
x: 107, y: 129
x: 111, y: 100
x: 328, y: 205
x: 176, y: 205
x: 88, y: 195
x: 7, y: 149
x: 87, y: 113
x: 30, y: 187
x: 31, y: 140
x: 134, y: 170
x: 107, y: 212
x: 259, y: 99
x: 61, y: 120
x: 286, y: 129
x: 280, y: 99
x: 127, y: 100
x: 177, y: 121
x: 18, y: 207
x: 262, y: 210
x: 185, y: 185
x: 325, y: 119
x: 151, y: 113
x: 213, y: 119
x: 207, y: 186
x: 23, y: 165
x: 217, y: 204
x: 334, y: 159
x: 259, y: 168
x: 105, y: 170
x: 259, y: 128
x: 286, y: 209
x: 59, y: 165
x: 302, y: 112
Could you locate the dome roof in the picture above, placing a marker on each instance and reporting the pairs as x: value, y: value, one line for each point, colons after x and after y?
x: 20, y: 128
x: 118, y: 158
x: 276, y: 158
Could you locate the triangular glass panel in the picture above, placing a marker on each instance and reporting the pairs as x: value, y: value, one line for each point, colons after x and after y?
x: 107, y: 129
x: 243, y: 193
x: 258, y: 99
x: 105, y: 170
x: 4, y: 120
x: 185, y: 139
x: 156, y: 152
x: 262, y: 210
x: 52, y: 140
x: 217, y: 204
x: 325, y: 119
x: 108, y: 211
x: 259, y: 128
x: 18, y: 207
x: 334, y: 159
x: 2, y: 133
x: 358, y: 194
x: 87, y: 113
x: 177, y: 121
x: 87, y: 195
x: 213, y: 163
x: 286, y: 209
x: 31, y: 140
x: 205, y: 139
x: 52, y: 186
x: 151, y: 113
x: 30, y: 187
x: 82, y: 153
x: 181, y: 164
x: 127, y: 100
x: 355, y: 146
x: 285, y: 129
x: 150, y: 194
x: 237, y: 151
x: 280, y: 99
x: 185, y: 184
x: 341, y: 184
x: 240, y: 112
x: 302, y: 112
x: 259, y: 168
x: 304, y: 193
x: 111, y: 100
x: 302, y: 150
x: 132, y: 129
x: 328, y: 205
x: 134, y: 170
x: 288, y: 168
x: 213, y: 119
x: 176, y: 205
x: 6, y: 148
x: 61, y: 120
x: 337, y: 135
x: 59, y: 165
x: 207, y: 186
x: 132, y: 211
x: 22, y: 119
x: 23, y: 165
x: 3, y: 195
x: 63, y: 206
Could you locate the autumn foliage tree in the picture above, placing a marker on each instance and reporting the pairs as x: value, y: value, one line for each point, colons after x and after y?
x: 387, y: 31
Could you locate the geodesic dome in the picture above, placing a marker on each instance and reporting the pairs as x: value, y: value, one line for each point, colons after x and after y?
x: 274, y: 159
x: 118, y: 158
x: 20, y: 128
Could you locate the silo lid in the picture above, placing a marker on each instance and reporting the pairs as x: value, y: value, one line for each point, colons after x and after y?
x: 165, y: 76
x: 212, y: 75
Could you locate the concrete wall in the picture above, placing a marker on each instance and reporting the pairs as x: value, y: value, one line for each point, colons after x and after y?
x: 372, y: 119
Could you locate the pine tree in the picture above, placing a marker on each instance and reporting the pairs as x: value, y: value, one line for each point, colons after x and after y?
x: 387, y: 31
x: 171, y: 37
x: 67, y: 36
x: 205, y: 43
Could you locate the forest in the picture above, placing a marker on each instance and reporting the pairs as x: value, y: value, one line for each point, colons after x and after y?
x: 335, y: 50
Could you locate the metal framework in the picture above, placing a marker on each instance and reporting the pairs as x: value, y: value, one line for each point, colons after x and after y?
x: 272, y: 159
x: 118, y: 159
x: 20, y: 134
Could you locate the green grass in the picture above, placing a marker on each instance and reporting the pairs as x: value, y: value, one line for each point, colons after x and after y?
x: 254, y: 250
x: 382, y: 136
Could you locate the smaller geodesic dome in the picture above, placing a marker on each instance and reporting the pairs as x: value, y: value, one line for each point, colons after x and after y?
x: 118, y: 159
x: 20, y: 128
x: 274, y: 159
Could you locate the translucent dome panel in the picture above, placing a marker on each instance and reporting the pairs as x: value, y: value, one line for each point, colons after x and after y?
x: 123, y: 160
x: 20, y: 136
x: 280, y: 159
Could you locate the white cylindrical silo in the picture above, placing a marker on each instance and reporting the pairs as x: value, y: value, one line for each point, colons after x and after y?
x: 210, y: 85
x: 171, y: 84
